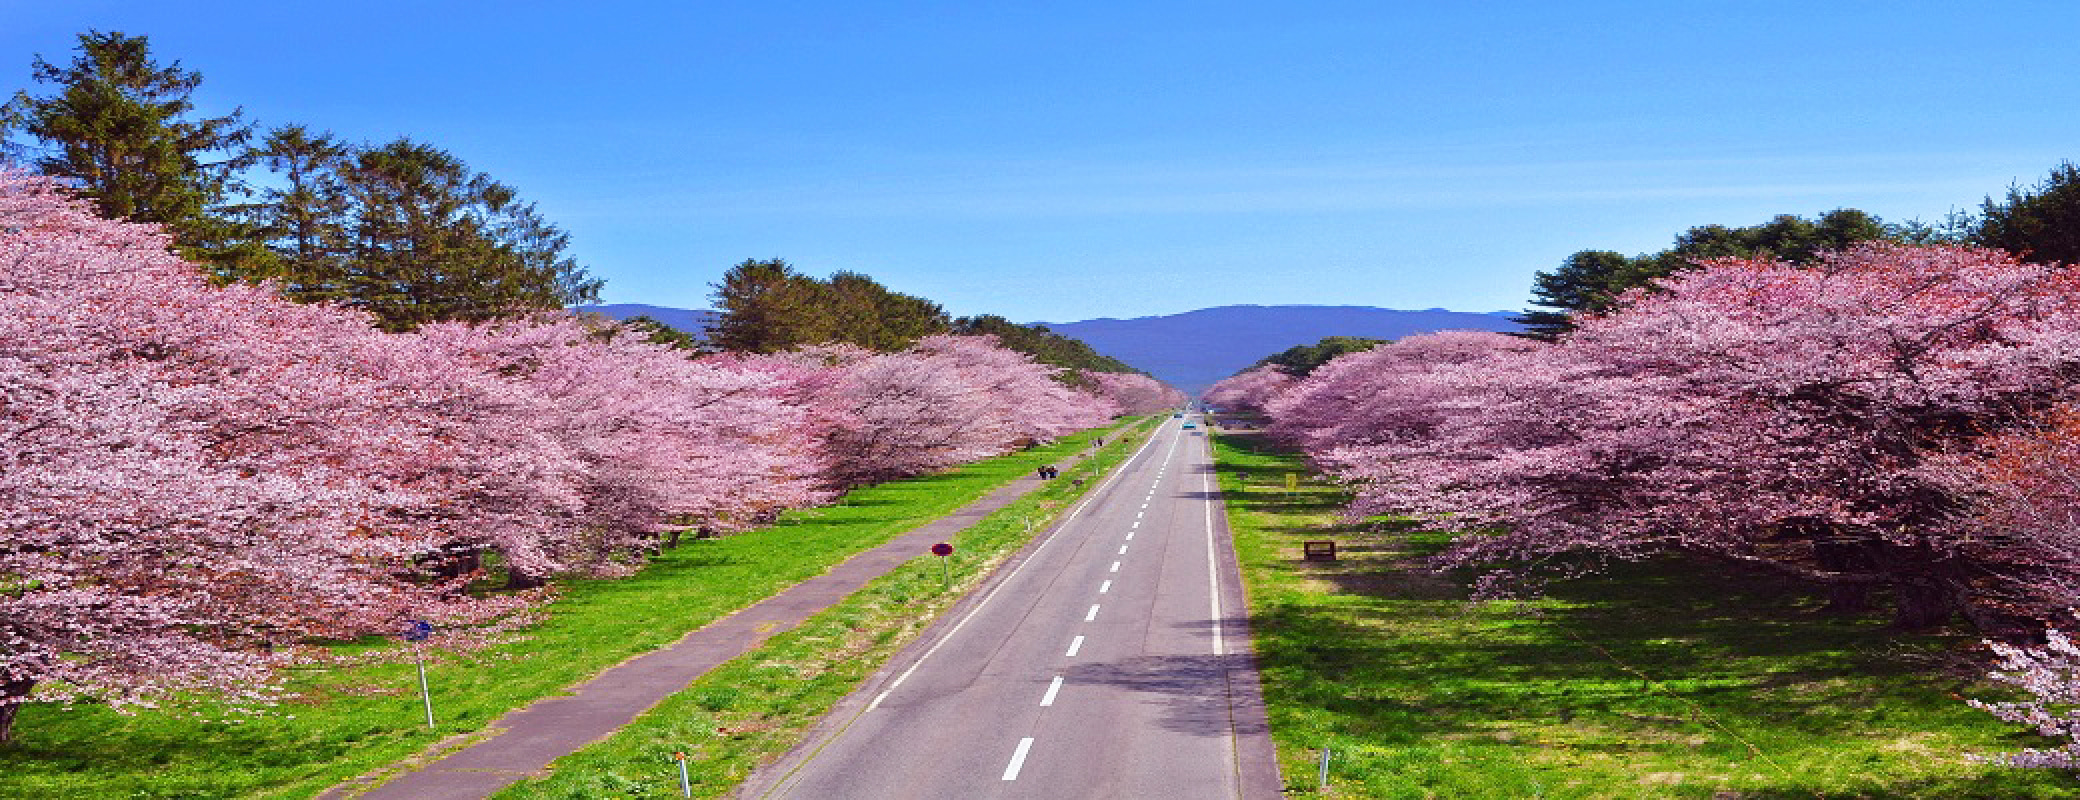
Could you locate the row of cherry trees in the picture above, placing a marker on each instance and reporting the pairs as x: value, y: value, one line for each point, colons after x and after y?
x: 1888, y: 416
x: 196, y: 480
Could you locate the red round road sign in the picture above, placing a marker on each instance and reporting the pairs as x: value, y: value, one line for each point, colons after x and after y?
x: 942, y: 549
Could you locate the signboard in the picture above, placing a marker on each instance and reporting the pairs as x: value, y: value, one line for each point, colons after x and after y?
x: 942, y: 549
x: 417, y: 630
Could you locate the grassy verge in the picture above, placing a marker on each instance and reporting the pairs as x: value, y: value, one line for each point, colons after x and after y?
x: 751, y: 710
x: 347, y: 722
x: 1661, y: 679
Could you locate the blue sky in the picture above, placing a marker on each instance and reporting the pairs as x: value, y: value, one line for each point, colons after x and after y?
x: 1075, y: 160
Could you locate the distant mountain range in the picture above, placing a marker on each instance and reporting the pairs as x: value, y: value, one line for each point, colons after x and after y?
x: 1194, y: 349
x: 680, y: 319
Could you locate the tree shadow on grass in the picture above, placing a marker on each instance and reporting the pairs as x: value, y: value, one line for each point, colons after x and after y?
x: 1652, y: 657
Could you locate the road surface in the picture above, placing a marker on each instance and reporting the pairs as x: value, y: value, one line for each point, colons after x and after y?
x: 1109, y: 661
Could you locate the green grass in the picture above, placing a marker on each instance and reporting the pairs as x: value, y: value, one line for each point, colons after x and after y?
x: 753, y: 709
x: 1661, y: 679
x: 343, y: 723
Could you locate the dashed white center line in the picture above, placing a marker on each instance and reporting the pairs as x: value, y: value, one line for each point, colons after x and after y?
x: 1140, y: 514
x: 1052, y: 688
x: 1130, y: 536
x: 1115, y: 566
x: 1137, y: 523
x: 1123, y: 549
x: 1092, y: 614
x: 1018, y: 759
x: 1104, y: 587
x: 1074, y: 645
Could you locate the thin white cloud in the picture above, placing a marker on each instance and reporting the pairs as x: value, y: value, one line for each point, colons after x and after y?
x: 977, y: 189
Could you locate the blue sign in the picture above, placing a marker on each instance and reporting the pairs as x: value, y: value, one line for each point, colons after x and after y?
x: 417, y: 630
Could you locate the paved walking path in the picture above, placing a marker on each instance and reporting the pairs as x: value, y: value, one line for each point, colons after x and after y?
x: 523, y: 742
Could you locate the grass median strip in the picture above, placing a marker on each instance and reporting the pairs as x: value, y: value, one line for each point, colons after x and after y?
x: 1658, y: 679
x: 752, y: 709
x: 342, y: 723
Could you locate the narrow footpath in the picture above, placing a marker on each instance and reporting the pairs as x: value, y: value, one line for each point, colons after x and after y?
x: 522, y: 743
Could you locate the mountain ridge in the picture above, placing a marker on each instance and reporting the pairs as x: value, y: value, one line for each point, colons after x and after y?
x: 1283, y: 306
x: 1191, y: 350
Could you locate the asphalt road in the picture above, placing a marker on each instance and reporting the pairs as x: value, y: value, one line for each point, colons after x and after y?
x: 1110, y: 660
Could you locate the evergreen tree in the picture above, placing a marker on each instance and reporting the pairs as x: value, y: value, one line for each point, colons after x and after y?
x: 1585, y: 282
x: 120, y: 128
x: 2039, y: 223
x: 1590, y: 281
x: 767, y: 307
x: 305, y: 223
x: 1044, y: 346
x: 871, y: 316
x: 430, y: 239
x: 1301, y: 360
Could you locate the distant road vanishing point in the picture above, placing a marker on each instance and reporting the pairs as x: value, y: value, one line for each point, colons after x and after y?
x: 1111, y: 660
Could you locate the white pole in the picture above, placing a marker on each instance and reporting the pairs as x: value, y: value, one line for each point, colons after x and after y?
x: 425, y: 694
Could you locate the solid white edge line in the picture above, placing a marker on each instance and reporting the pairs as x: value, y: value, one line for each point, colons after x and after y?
x: 1018, y: 759
x: 1074, y: 645
x: 1213, y: 576
x: 1052, y: 689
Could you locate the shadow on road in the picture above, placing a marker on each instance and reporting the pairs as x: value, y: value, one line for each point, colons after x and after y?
x: 1192, y: 690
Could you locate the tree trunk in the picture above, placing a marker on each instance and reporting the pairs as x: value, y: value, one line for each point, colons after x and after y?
x: 1847, y: 599
x: 1843, y: 557
x: 11, y: 695
x: 1920, y: 606
x: 517, y: 578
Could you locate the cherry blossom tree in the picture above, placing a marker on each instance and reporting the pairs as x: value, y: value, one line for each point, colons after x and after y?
x: 2020, y: 520
x: 2050, y: 674
x: 652, y: 437
x: 946, y: 400
x: 1249, y: 390
x: 186, y: 482
x: 1027, y: 403
x: 1748, y: 410
x: 1135, y: 393
x: 198, y: 480
x: 2024, y: 521
x: 1330, y: 408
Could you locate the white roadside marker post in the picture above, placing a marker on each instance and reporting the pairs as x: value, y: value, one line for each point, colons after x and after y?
x: 417, y: 632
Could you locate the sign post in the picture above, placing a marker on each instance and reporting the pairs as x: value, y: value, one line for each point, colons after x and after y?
x: 685, y: 785
x: 942, y: 550
x: 417, y: 632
